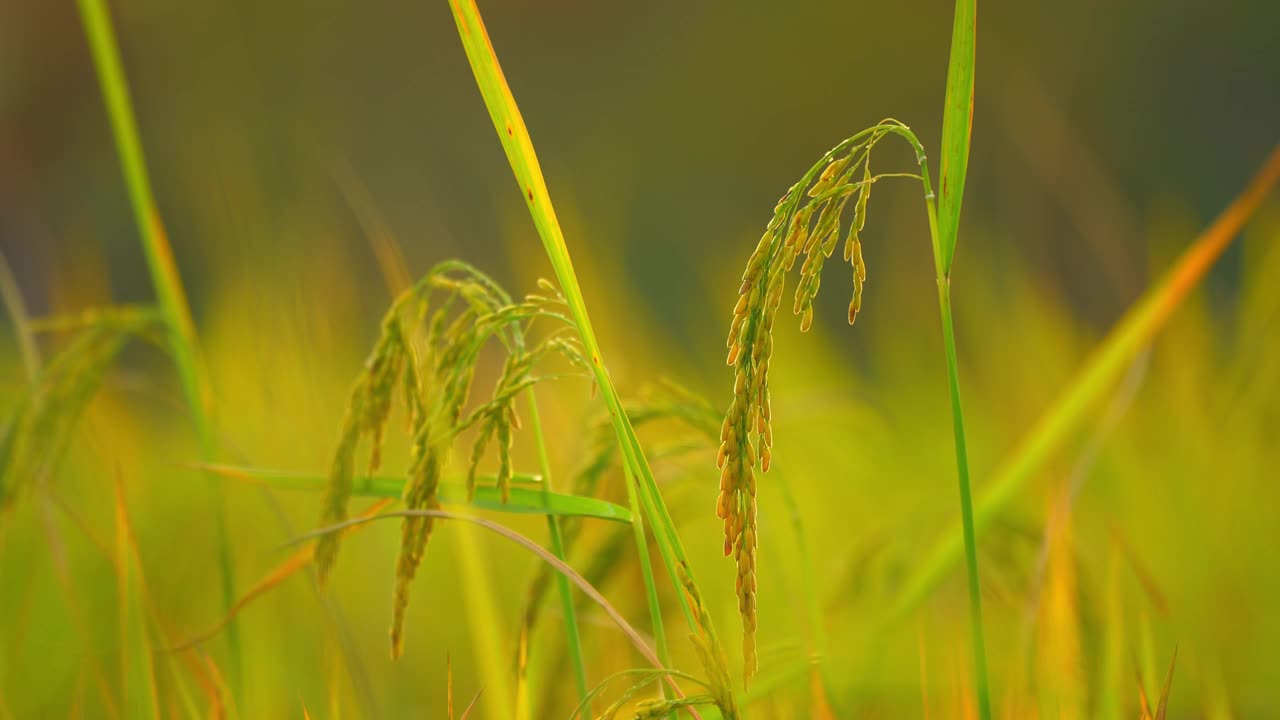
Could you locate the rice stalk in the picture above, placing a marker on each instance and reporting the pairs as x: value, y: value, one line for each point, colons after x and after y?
x: 573, y: 641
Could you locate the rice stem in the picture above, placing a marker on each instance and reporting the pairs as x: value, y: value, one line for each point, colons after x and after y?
x: 646, y: 568
x: 571, y: 636
x: 966, y: 504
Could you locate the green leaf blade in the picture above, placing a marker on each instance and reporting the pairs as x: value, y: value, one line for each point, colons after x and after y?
x: 523, y: 500
x: 957, y: 123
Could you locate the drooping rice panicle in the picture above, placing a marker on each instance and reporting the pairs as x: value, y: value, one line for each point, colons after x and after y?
x: 431, y: 360
x: 806, y: 222
x: 366, y: 414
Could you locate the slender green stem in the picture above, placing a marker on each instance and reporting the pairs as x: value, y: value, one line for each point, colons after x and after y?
x: 17, y: 310
x: 646, y: 569
x: 966, y: 504
x: 942, y: 267
x: 164, y: 275
x: 957, y: 129
x: 571, y: 636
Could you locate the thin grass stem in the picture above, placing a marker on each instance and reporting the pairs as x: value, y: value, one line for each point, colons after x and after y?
x: 646, y: 568
x: 966, y: 505
x: 957, y: 125
x: 571, y: 636
x: 22, y: 330
x: 942, y: 267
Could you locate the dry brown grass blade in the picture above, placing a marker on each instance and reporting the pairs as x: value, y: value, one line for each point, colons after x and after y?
x: 821, y: 705
x: 1060, y: 668
x: 471, y: 705
x: 1163, y: 707
x: 79, y: 618
x: 289, y: 567
x: 924, y: 672
x: 522, y: 710
x: 279, y: 574
x: 448, y: 684
x: 221, y: 703
x: 1144, y: 706
x: 138, y: 676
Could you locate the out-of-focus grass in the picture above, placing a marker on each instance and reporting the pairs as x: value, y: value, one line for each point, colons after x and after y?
x: 1194, y: 444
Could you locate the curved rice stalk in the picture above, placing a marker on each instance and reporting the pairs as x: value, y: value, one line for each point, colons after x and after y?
x: 808, y: 221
